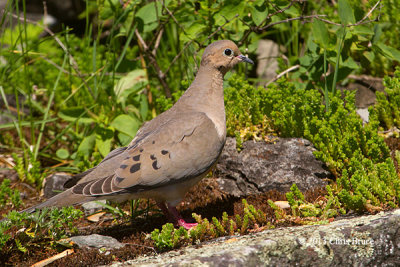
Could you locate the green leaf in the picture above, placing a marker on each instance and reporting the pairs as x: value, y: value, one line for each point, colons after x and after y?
x: 377, y: 33
x: 126, y: 124
x: 259, y: 13
x: 320, y: 32
x: 193, y: 31
x: 62, y: 153
x: 109, y: 9
x: 87, y: 145
x: 388, y: 51
x: 73, y: 113
x: 130, y: 83
x: 349, y: 63
x: 346, y: 13
x: 306, y: 60
x: 124, y: 139
x: 150, y: 14
x: 104, y: 137
x: 362, y: 29
x: 370, y: 56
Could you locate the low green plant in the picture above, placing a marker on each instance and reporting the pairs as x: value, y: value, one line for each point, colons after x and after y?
x: 245, y: 118
x: 118, y: 213
x: 252, y: 220
x: 304, y: 212
x: 9, y: 196
x: 169, y: 237
x: 4, y: 235
x: 47, y: 225
x: 387, y: 104
x: 369, y: 185
x: 341, y: 140
x: 29, y: 170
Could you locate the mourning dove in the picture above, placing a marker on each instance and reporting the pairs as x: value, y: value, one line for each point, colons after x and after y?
x: 170, y: 153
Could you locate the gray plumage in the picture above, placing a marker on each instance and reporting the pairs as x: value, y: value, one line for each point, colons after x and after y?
x: 170, y: 153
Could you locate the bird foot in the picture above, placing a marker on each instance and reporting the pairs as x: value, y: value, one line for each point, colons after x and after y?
x: 187, y: 226
x: 173, y: 215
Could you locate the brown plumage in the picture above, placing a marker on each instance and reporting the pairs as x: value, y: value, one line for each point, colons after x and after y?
x: 170, y: 153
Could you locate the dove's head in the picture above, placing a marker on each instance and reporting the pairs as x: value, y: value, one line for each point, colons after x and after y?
x: 223, y: 55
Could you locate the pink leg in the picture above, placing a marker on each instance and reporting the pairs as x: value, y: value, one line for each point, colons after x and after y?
x: 178, y: 218
x: 173, y: 215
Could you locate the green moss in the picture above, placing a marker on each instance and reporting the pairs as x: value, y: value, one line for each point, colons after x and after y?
x: 387, y: 107
x: 245, y: 117
x: 353, y: 152
x: 169, y: 237
x: 9, y: 196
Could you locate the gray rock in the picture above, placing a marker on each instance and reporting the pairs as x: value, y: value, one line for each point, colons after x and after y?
x: 96, y: 241
x: 10, y: 116
x: 366, y: 87
x: 93, y: 206
x: 54, y: 184
x: 363, y: 241
x: 364, y: 114
x: 261, y: 167
x: 267, y: 63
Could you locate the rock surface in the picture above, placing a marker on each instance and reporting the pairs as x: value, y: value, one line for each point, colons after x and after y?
x: 93, y: 206
x: 54, y: 184
x: 372, y: 240
x: 96, y: 241
x: 267, y: 63
x: 261, y: 167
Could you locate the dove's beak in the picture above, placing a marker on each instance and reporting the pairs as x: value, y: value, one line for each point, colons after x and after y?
x: 245, y: 59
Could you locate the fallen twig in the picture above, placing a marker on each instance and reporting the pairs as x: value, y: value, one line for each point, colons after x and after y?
x: 54, y: 258
x: 295, y: 67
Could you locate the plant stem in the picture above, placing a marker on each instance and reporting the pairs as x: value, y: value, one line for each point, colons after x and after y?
x: 338, y: 60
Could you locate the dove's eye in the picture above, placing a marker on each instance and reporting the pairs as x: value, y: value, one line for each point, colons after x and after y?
x: 228, y: 52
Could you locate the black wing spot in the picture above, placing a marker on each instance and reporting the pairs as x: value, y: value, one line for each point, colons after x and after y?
x: 123, y: 166
x: 154, y: 142
x: 152, y: 157
x: 155, y: 165
x: 164, y: 152
x: 119, y: 179
x: 136, y: 158
x: 135, y: 168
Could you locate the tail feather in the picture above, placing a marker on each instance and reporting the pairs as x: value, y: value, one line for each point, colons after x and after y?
x: 66, y: 198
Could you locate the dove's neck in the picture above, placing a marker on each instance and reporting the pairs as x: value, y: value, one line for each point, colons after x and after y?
x: 206, y: 94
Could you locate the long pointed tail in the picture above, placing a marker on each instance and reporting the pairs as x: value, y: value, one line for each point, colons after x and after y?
x: 66, y: 198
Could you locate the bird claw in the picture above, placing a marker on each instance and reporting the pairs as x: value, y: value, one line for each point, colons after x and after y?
x: 187, y: 226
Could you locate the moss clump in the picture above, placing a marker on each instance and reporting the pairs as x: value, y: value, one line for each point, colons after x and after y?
x: 245, y: 116
x: 354, y: 152
x: 304, y: 212
x: 252, y: 220
x: 387, y: 107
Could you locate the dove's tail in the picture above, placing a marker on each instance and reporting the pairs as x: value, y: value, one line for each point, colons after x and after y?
x: 66, y: 198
